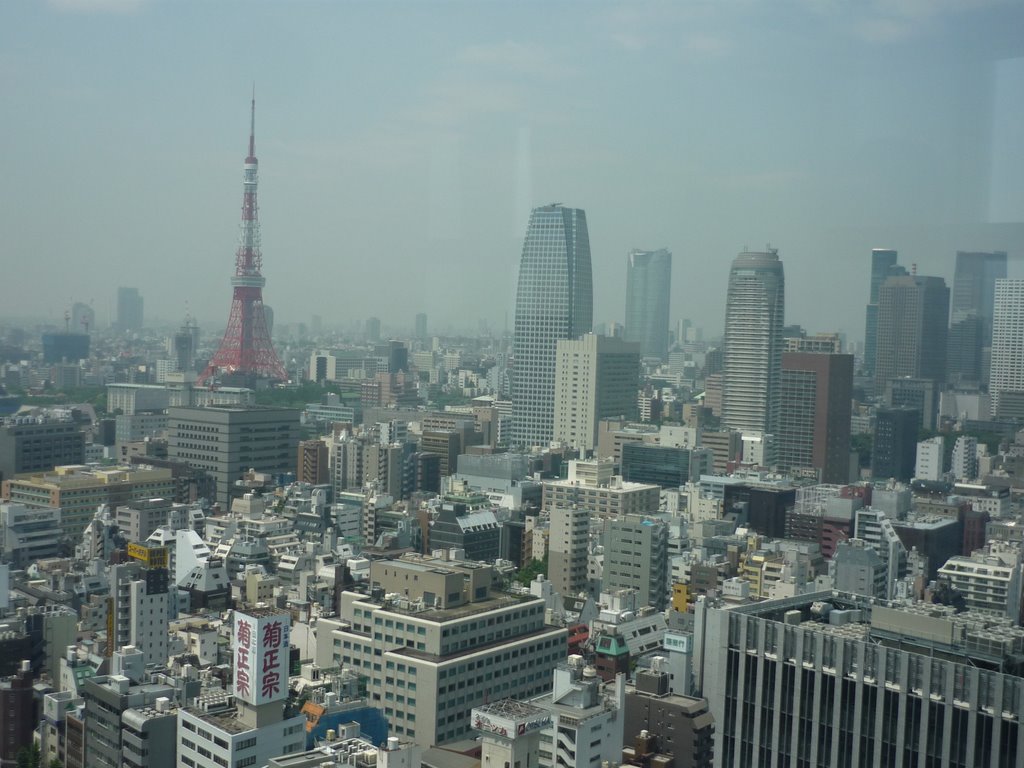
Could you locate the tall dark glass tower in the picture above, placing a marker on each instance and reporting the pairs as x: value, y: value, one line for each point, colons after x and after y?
x: 970, y: 322
x: 129, y: 309
x: 554, y: 300
x: 752, y: 363
x: 648, y: 288
x: 913, y: 312
x: 883, y: 265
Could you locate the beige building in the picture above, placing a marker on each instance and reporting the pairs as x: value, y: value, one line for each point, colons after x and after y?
x: 568, y: 550
x: 435, y: 638
x: 80, y: 490
x: 596, y: 377
x: 593, y: 486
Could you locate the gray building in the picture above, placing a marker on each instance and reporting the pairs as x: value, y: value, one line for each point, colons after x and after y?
x: 636, y: 557
x: 28, y: 534
x: 913, y: 327
x: 554, y: 300
x: 832, y: 680
x: 894, y: 446
x: 883, y: 265
x: 682, y: 725
x: 859, y: 570
x: 648, y: 292
x: 226, y: 442
x: 32, y: 446
x: 458, y: 527
x: 128, y: 724
x: 129, y: 309
x: 664, y: 465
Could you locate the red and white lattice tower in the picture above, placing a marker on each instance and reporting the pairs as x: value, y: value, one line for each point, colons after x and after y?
x: 246, y: 349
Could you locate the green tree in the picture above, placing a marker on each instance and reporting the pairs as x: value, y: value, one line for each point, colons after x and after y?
x: 532, y: 569
x: 29, y: 757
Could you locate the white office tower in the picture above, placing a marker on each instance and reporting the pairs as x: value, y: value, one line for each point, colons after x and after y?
x: 587, y: 717
x: 248, y: 728
x: 140, y: 602
x: 752, y: 358
x: 964, y: 465
x: 1006, y: 372
x: 929, y: 459
x: 554, y: 300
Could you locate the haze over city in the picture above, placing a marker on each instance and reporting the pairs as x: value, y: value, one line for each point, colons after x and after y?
x: 402, y: 146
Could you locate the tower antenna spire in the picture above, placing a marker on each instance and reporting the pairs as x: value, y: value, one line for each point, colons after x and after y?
x: 252, y: 124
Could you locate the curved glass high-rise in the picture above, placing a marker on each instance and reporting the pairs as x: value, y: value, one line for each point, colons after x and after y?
x: 752, y: 358
x: 648, y: 287
x: 554, y: 300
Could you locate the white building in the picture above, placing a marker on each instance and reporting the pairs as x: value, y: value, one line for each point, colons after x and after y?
x: 593, y: 484
x: 247, y: 728
x: 929, y: 459
x: 141, y: 603
x: 587, y: 718
x: 1006, y: 372
x: 965, y: 458
x: 218, y: 731
x: 752, y: 361
x: 990, y: 579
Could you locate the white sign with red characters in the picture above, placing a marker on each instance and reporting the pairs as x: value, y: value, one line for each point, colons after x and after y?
x: 260, y: 651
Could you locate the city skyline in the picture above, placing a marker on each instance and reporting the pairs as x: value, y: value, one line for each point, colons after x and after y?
x: 481, y: 130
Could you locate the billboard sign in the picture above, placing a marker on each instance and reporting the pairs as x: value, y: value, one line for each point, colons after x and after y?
x: 259, y: 649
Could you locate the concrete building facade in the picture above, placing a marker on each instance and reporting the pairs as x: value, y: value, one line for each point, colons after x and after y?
x: 596, y: 377
x: 226, y: 442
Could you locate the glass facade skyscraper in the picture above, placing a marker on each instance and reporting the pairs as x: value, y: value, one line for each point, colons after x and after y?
x: 554, y: 300
x: 752, y: 362
x: 970, y: 322
x: 883, y: 264
x: 913, y: 317
x: 648, y: 288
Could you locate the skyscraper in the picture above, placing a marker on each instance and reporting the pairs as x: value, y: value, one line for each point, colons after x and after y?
x: 971, y: 308
x: 1007, y: 370
x: 913, y: 312
x: 883, y: 265
x: 421, y: 326
x: 129, y: 309
x: 752, y: 362
x: 648, y: 288
x: 814, y: 427
x: 554, y: 300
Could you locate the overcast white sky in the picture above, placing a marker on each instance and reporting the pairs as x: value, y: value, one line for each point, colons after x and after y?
x: 401, y: 146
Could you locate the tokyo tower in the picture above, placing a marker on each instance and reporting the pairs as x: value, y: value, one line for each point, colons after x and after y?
x: 246, y: 350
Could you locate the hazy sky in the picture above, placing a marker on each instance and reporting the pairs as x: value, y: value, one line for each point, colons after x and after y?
x: 402, y: 145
